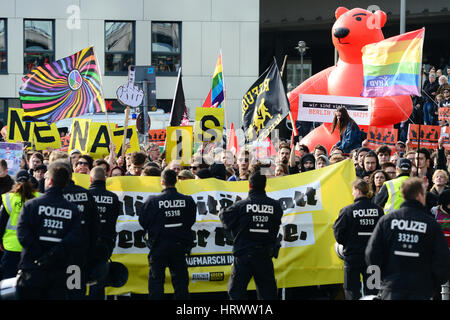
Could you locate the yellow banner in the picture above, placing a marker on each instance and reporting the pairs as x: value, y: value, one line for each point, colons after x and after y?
x: 132, y: 138
x: 79, y: 134
x: 311, y: 202
x: 179, y: 144
x: 46, y: 136
x: 41, y: 134
x: 208, y: 124
x: 93, y: 138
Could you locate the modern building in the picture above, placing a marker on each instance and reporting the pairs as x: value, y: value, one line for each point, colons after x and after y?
x: 166, y: 34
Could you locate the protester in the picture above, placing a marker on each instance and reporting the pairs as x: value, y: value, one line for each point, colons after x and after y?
x: 185, y: 175
x: 6, y: 182
x: 137, y: 162
x: 83, y: 164
x: 151, y: 171
x: 117, y: 172
x: 440, y: 182
x: 322, y: 161
x: 350, y: 134
x: 376, y: 180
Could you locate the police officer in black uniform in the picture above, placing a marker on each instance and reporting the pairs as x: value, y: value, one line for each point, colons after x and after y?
x: 352, y: 229
x: 167, y: 220
x: 254, y: 224
x: 84, y: 255
x: 410, y: 248
x: 109, y: 208
x: 49, y: 227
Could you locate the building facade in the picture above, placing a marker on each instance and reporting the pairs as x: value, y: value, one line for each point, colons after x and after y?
x: 165, y: 34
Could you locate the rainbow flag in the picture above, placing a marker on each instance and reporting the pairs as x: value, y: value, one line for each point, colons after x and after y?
x: 392, y: 66
x: 217, y: 93
x: 62, y: 89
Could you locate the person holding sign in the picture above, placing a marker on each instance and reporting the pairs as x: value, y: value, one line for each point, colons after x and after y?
x: 167, y: 220
x: 348, y: 130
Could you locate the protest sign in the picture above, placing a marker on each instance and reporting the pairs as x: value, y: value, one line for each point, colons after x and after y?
x: 208, y: 124
x: 12, y: 154
x: 429, y: 136
x: 179, y: 144
x: 321, y: 108
x: 377, y: 137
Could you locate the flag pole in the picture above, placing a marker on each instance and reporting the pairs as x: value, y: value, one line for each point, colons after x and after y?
x: 294, y: 128
x: 103, y: 99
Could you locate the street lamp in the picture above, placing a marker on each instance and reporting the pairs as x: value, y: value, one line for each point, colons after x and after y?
x: 301, y: 47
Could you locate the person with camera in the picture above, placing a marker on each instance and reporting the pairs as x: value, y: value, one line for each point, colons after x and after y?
x: 167, y: 220
x: 352, y: 230
x: 49, y: 228
x: 254, y: 224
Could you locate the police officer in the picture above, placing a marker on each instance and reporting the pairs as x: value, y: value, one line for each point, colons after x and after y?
x: 167, y: 220
x: 84, y: 255
x: 109, y: 208
x: 254, y: 224
x: 410, y: 248
x: 352, y: 229
x: 49, y: 227
x: 390, y: 198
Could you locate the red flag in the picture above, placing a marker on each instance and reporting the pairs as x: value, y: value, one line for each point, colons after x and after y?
x: 272, y: 150
x: 207, y: 103
x: 233, y: 145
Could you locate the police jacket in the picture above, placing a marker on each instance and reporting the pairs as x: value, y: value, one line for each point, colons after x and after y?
x: 410, y: 248
x: 90, y: 221
x: 169, y: 217
x: 252, y: 222
x: 355, y: 225
x: 109, y: 208
x: 48, y: 224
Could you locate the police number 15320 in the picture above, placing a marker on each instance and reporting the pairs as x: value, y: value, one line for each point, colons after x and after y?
x: 260, y: 218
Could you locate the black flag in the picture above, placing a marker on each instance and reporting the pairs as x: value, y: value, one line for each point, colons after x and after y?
x: 264, y: 105
x: 179, y: 114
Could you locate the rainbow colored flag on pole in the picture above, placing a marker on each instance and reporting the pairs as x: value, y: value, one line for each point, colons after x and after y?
x: 393, y: 66
x: 217, y: 93
x: 62, y: 89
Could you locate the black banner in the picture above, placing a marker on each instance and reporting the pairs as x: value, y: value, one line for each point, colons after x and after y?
x: 264, y: 105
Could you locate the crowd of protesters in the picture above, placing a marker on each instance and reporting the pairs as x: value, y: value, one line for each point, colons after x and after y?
x: 375, y: 166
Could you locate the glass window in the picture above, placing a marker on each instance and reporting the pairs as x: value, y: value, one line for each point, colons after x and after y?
x: 39, y: 43
x: 119, y: 47
x: 166, y: 47
x: 3, y: 52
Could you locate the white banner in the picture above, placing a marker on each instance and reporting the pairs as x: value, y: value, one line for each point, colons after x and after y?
x: 321, y: 108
